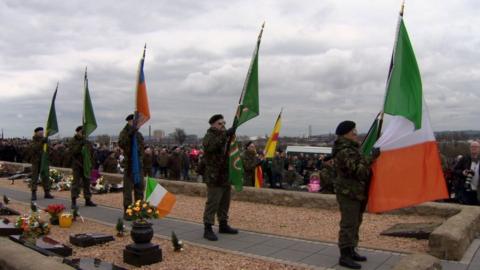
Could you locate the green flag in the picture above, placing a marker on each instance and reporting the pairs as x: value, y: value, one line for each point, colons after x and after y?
x: 248, y: 108
x: 371, y: 137
x: 404, y: 96
x: 89, y: 125
x: 51, y: 129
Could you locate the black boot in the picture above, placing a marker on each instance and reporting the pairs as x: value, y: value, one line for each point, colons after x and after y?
x: 208, y: 233
x: 74, y: 203
x: 48, y: 195
x: 225, y: 228
x: 346, y: 259
x: 34, y: 195
x: 357, y: 257
x: 88, y: 202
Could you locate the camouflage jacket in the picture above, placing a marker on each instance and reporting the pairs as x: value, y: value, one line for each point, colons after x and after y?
x: 36, y: 150
x: 75, y: 147
x: 353, y: 169
x: 214, y: 158
x: 125, y: 142
x: 327, y: 180
x: 250, y: 162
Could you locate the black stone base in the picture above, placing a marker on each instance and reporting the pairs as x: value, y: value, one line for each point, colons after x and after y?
x: 45, y: 245
x: 7, y: 229
x: 5, y: 211
x: 142, y: 254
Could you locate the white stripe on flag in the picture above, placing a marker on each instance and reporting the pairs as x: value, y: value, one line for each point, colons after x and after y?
x: 157, y: 195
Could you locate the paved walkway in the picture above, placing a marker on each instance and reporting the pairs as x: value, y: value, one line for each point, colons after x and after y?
x: 314, y: 254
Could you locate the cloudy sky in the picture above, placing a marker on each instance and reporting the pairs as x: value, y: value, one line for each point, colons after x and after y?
x: 323, y: 61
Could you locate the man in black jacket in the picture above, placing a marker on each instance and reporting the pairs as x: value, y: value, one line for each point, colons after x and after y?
x: 467, y: 173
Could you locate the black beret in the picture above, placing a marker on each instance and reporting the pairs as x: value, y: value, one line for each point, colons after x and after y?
x: 344, y: 127
x: 129, y: 117
x: 215, y: 118
x: 78, y: 128
x: 38, y: 129
x: 248, y: 144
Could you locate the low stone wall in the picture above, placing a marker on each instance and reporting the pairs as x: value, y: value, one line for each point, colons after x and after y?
x: 454, y: 236
x: 449, y: 241
x: 14, y: 256
x: 418, y: 262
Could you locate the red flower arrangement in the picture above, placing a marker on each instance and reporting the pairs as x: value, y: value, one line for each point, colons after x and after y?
x: 54, y: 210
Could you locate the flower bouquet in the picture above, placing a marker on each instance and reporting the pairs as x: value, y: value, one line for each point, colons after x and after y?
x: 54, y: 210
x: 140, y: 212
x: 100, y: 187
x: 55, y: 176
x: 33, y: 227
x: 64, y: 185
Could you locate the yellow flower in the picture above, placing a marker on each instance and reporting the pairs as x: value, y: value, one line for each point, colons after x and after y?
x: 137, y: 209
x: 149, y: 211
x: 145, y: 205
x: 129, y: 207
x: 130, y: 214
x: 129, y: 211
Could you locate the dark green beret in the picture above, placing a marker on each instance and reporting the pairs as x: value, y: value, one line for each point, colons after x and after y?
x: 215, y: 118
x: 344, y: 127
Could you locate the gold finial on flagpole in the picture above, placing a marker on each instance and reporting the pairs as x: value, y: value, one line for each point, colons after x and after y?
x: 402, y: 8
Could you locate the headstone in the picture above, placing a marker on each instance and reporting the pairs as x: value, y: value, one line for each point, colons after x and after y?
x: 412, y: 230
x: 142, y: 254
x: 46, y: 246
x: 8, y: 228
x: 6, y: 211
x: 90, y: 239
x: 91, y: 264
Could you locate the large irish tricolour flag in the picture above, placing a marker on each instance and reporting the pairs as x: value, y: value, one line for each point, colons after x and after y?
x: 158, y: 196
x: 408, y: 170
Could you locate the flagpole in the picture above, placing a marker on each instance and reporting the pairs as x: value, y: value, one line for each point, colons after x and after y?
x: 85, y: 85
x: 392, y: 62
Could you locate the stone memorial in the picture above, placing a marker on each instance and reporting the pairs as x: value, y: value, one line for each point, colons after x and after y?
x: 91, y: 264
x: 411, y: 230
x: 45, y: 245
x: 90, y: 239
x: 8, y: 228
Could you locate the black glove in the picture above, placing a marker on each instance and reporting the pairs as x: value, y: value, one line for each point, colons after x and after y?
x: 375, y: 152
x: 231, y: 131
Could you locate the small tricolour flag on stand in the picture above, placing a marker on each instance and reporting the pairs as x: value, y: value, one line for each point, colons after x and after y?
x: 158, y: 196
x: 271, y: 146
x: 258, y: 177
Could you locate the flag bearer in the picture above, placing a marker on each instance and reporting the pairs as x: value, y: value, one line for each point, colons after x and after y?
x: 36, y: 151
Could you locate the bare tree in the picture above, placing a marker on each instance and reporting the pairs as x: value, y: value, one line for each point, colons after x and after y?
x: 179, y: 135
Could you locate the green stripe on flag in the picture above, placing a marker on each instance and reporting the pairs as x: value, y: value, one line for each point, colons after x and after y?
x: 150, y: 187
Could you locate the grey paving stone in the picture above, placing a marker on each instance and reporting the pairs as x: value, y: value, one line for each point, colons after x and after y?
x: 330, y: 251
x: 279, y: 242
x: 394, y: 259
x: 322, y: 260
x: 261, y: 250
x: 189, y: 236
x: 291, y: 255
x: 307, y: 247
x: 447, y: 265
x: 385, y: 267
x: 473, y: 266
x: 253, y: 238
x: 377, y: 257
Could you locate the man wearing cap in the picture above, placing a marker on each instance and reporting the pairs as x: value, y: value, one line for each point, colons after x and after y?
x: 216, y: 177
x: 327, y: 175
x: 36, y: 151
x: 353, y: 177
x: 250, y: 161
x: 80, y: 181
x: 127, y: 135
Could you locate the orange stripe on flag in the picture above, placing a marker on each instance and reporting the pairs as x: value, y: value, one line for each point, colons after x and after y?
x: 258, y: 177
x: 142, y: 103
x: 406, y: 176
x: 166, y: 204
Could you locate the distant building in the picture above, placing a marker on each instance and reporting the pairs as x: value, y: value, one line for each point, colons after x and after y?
x: 158, y: 134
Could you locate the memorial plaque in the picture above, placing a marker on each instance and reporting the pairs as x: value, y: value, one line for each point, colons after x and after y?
x: 8, y: 228
x: 5, y: 211
x: 90, y: 239
x: 412, y: 230
x: 45, y: 245
x: 91, y: 264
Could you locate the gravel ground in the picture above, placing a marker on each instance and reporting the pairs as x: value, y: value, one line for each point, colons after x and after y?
x: 191, y: 258
x: 312, y: 224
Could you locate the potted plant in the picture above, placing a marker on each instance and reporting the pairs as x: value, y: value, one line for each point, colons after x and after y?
x: 140, y: 212
x: 54, y: 210
x: 33, y: 227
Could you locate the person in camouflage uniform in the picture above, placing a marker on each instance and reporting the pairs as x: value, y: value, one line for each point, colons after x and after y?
x: 215, y: 175
x: 125, y: 142
x: 36, y: 151
x: 351, y: 185
x: 327, y: 176
x: 250, y: 162
x: 79, y: 180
